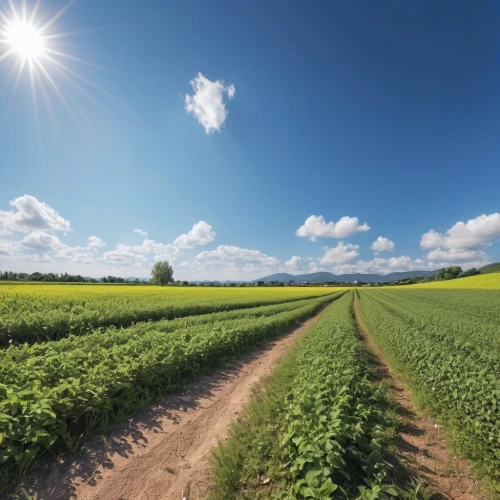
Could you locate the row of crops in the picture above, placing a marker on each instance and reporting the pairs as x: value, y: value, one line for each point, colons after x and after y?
x: 55, y: 394
x: 86, y: 358
x: 321, y: 428
x: 36, y: 313
x: 446, y: 343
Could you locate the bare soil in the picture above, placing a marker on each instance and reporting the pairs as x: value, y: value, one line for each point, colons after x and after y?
x: 164, y: 453
x: 421, y: 450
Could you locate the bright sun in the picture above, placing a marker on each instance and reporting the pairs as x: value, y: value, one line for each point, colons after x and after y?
x: 25, y: 39
x: 31, y: 48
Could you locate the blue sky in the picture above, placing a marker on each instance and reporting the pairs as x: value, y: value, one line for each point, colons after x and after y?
x: 220, y: 128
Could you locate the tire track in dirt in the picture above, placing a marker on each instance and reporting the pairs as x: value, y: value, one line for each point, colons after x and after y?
x: 421, y: 450
x: 159, y: 452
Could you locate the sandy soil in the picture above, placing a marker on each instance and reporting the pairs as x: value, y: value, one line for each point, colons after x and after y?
x: 164, y: 453
x: 421, y: 450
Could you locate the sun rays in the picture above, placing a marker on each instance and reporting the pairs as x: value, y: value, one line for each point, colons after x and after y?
x: 32, y: 49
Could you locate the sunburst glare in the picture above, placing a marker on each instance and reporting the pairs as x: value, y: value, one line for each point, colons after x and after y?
x: 31, y: 48
x: 25, y: 40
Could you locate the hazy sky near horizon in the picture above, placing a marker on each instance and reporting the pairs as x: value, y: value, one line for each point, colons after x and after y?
x: 241, y: 139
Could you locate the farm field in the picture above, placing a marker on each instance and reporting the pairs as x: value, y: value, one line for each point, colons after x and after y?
x: 312, y: 432
x: 39, y: 312
x: 478, y: 282
x: 446, y: 345
x: 325, y: 427
x: 55, y: 394
x: 321, y: 429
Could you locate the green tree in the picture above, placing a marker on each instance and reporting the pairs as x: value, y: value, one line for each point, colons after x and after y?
x: 162, y: 273
x: 449, y: 273
x: 470, y: 272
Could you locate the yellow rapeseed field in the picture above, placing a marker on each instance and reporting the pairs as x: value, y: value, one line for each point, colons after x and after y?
x: 63, y: 290
x: 479, y: 282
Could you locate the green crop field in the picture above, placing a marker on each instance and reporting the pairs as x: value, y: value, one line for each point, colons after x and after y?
x: 38, y: 312
x: 79, y: 358
x: 321, y: 429
x: 446, y: 343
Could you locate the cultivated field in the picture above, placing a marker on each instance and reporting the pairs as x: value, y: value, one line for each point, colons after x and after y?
x: 478, y: 282
x: 60, y: 380
x: 337, y: 434
x: 39, y: 312
x: 78, y: 358
x: 446, y: 344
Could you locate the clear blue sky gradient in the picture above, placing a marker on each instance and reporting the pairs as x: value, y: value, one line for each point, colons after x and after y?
x: 388, y: 111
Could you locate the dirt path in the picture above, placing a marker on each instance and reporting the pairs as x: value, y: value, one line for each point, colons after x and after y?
x: 421, y: 449
x: 162, y: 451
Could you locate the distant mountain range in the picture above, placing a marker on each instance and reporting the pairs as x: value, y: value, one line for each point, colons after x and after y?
x: 346, y: 278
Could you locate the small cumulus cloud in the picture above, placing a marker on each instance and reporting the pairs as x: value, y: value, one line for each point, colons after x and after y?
x: 207, y: 103
x: 382, y: 244
x: 316, y: 227
x: 200, y: 234
x: 95, y: 242
x: 30, y: 214
x: 340, y: 253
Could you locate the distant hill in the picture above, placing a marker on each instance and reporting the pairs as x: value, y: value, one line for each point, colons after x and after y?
x: 490, y: 268
x: 322, y: 277
x: 285, y: 277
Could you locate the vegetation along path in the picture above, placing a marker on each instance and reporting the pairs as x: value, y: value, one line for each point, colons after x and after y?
x: 421, y: 447
x: 164, y: 453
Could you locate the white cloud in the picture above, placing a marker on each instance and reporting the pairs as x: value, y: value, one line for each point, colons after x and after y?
x: 455, y: 254
x: 225, y: 253
x: 481, y: 231
x: 8, y: 247
x: 403, y: 263
x: 95, y: 242
x: 228, y: 262
x: 40, y: 240
x: 30, y: 214
x: 201, y: 234
x: 382, y: 244
x: 301, y: 265
x: 160, y: 251
x: 40, y: 243
x: 296, y: 263
x: 136, y: 255
x: 316, y: 227
x: 207, y: 104
x: 431, y: 239
x: 340, y: 253
x: 382, y: 266
x: 123, y: 257
x: 313, y: 267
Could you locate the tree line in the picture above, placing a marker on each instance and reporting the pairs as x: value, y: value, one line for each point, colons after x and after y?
x: 58, y: 278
